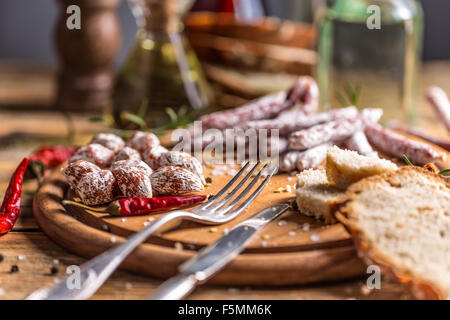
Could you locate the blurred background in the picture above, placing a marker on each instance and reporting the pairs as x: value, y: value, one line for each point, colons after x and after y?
x: 26, y: 27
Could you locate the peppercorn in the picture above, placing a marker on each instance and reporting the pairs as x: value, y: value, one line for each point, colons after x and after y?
x: 54, y: 270
x: 14, y: 269
x: 1, y: 258
x: 208, y: 180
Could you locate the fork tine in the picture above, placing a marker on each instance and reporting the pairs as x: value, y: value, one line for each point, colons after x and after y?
x: 236, y: 189
x: 243, y: 193
x: 225, y: 188
x: 252, y: 197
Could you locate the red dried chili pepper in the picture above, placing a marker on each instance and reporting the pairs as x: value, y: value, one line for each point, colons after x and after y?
x: 49, y: 157
x: 142, y: 206
x: 53, y: 156
x: 10, y: 209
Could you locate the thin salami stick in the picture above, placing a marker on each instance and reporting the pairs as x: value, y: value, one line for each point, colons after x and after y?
x: 397, y: 145
x: 303, y: 160
x: 294, y: 120
x: 312, y: 158
x: 266, y: 107
x: 442, y: 142
x: 333, y: 131
x: 358, y: 142
x: 439, y: 100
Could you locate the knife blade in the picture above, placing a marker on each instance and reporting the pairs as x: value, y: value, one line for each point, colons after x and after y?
x: 213, y: 258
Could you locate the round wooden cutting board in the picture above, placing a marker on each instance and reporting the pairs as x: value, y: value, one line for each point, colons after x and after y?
x: 293, y: 249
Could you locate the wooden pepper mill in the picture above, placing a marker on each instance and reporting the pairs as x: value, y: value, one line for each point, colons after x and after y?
x: 85, y: 75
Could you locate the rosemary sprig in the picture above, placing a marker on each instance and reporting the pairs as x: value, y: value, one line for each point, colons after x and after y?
x: 405, y: 158
x: 445, y: 173
x: 350, y: 95
x: 177, y: 119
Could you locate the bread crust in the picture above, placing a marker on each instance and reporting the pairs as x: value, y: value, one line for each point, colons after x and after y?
x: 367, y: 250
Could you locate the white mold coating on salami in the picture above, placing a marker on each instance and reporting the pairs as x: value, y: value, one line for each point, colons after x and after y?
x: 109, y: 140
x: 97, y: 187
x: 127, y: 153
x: 333, y: 131
x: 142, y: 141
x: 295, y: 119
x: 152, y: 156
x: 133, y: 181
x: 132, y: 163
x: 359, y: 143
x: 395, y: 144
x: 76, y: 170
x: 175, y: 181
x: 183, y: 160
x: 95, y: 153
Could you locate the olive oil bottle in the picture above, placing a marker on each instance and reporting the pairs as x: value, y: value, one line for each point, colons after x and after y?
x: 162, y: 70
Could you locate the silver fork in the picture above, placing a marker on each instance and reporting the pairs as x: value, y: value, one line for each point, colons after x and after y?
x: 216, y: 210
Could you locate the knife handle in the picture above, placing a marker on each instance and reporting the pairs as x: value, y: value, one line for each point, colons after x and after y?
x: 175, y: 288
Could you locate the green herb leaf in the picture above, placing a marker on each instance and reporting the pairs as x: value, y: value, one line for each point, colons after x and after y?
x: 135, y: 119
x: 444, y: 172
x: 350, y: 95
x: 409, y: 163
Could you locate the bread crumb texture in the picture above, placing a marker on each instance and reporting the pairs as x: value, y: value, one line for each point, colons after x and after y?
x: 401, y: 220
x: 344, y: 167
x: 315, y: 195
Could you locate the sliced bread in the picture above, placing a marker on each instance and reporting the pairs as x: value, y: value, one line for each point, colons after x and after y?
x: 400, y: 220
x: 345, y: 167
x: 315, y: 196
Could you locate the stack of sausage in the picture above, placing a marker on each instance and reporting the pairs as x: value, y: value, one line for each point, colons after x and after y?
x: 305, y: 135
x: 109, y: 168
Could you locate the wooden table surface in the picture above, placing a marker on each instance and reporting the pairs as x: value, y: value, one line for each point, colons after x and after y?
x: 25, y: 91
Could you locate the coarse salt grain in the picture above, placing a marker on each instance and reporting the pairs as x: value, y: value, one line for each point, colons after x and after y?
x: 226, y: 230
x: 124, y: 219
x: 2, y: 291
x: 151, y: 219
x: 128, y: 286
x: 55, y: 261
x: 21, y: 257
x: 113, y: 239
x: 314, y: 237
x: 288, y: 188
x: 146, y: 223
x: 264, y: 243
x: 291, y: 233
x: 282, y: 223
x: 306, y: 227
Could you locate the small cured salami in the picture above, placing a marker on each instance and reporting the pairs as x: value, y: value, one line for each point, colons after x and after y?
x: 142, y: 141
x: 97, y: 187
x: 302, y: 160
x: 294, y: 120
x: 359, y: 143
x: 175, y: 181
x: 267, y: 107
x: 95, y: 153
x: 133, y: 180
x: 132, y: 163
x: 152, y: 156
x: 127, y: 153
x: 439, y: 100
x: 397, y: 145
x: 77, y: 170
x: 109, y: 140
x: 333, y: 131
x: 183, y: 160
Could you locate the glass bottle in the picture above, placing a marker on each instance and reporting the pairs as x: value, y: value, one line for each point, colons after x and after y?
x: 162, y: 70
x: 369, y: 52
